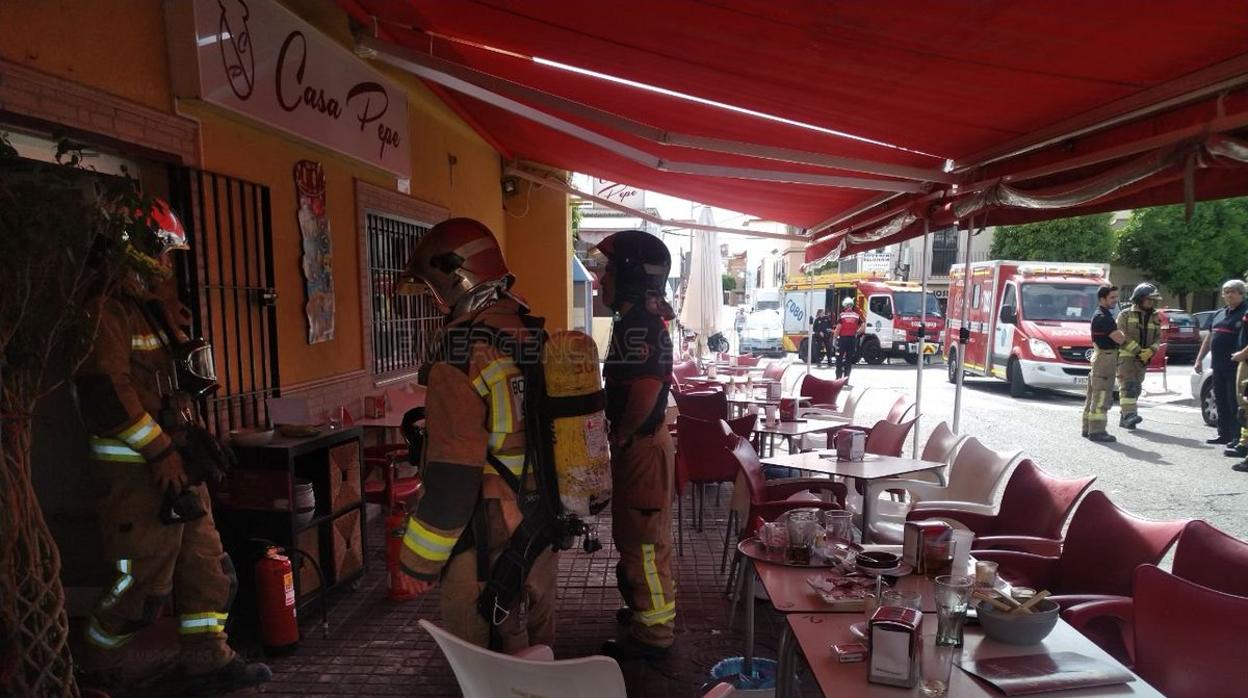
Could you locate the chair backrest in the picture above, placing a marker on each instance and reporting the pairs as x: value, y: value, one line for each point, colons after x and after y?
x: 485, y: 674
x: 775, y: 370
x: 702, y: 447
x: 1105, y: 544
x: 899, y: 409
x: 751, y: 469
x: 976, y: 472
x: 747, y: 360
x: 1212, y: 558
x: 703, y: 404
x: 941, y: 444
x: 743, y: 426
x: 1035, y: 503
x: 820, y: 391
x: 887, y: 439
x: 1189, y: 640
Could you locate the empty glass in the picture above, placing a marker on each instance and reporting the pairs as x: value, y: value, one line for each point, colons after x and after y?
x: 838, y: 525
x: 936, y: 667
x: 773, y: 536
x: 801, y: 526
x: 953, y: 594
x: 905, y: 599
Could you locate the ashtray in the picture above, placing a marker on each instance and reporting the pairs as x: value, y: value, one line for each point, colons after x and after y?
x: 877, y: 561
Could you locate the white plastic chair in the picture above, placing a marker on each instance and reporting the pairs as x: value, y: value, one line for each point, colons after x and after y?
x: 485, y: 674
x: 974, y: 479
x: 807, y: 441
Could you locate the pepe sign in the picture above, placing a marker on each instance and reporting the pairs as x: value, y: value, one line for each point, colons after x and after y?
x: 257, y: 58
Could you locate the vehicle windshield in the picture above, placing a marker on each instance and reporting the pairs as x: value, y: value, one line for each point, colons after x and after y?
x: 763, y: 324
x: 907, y: 303
x: 1180, y: 319
x: 1059, y: 302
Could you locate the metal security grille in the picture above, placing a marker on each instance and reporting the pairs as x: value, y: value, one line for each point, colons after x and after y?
x: 403, y: 326
x: 227, y: 282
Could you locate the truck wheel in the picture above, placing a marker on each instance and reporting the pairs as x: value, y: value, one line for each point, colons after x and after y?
x: 871, y: 353
x: 912, y: 359
x: 954, y: 365
x: 1018, y: 387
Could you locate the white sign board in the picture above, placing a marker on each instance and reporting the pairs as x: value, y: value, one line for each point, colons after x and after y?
x: 257, y: 58
x: 620, y: 193
x: 878, y: 262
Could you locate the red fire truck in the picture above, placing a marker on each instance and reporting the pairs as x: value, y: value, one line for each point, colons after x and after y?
x: 1029, y: 323
x: 893, y: 310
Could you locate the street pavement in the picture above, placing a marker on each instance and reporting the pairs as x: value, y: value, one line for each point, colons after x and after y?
x: 1162, y: 470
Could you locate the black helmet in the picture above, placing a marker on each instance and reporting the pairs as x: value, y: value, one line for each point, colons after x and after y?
x: 1144, y: 290
x: 640, y: 261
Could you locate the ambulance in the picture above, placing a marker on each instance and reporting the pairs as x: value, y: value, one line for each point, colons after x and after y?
x: 1029, y: 323
x: 893, y: 310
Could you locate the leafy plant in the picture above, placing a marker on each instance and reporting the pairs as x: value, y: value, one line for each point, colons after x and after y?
x: 1078, y: 239
x: 729, y: 282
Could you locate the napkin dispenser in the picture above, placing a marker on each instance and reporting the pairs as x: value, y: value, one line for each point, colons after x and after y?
x: 712, y: 371
x: 375, y: 406
x: 850, y: 445
x: 773, y: 390
x: 923, y: 542
x: 895, y: 638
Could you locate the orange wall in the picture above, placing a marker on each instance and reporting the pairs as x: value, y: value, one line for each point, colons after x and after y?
x: 539, y: 251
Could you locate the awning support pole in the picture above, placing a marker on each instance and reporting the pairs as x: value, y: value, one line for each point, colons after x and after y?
x: 918, y: 386
x: 963, y: 333
x: 810, y: 337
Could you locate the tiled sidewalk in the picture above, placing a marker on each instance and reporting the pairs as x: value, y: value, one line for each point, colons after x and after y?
x: 375, y: 647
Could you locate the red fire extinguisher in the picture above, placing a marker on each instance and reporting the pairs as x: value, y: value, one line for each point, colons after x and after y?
x: 401, y: 585
x: 275, y: 600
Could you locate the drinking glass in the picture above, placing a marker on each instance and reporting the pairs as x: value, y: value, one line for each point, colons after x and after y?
x: 839, y: 526
x: 936, y: 667
x: 906, y: 599
x: 985, y: 574
x: 801, y: 528
x: 773, y: 537
x: 953, y: 594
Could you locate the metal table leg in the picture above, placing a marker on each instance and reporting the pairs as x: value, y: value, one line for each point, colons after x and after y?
x: 866, y: 513
x: 786, y: 663
x: 747, y: 569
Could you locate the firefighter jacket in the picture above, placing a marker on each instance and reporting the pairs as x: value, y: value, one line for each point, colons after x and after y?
x: 1141, y: 330
x: 119, y: 384
x: 474, y: 409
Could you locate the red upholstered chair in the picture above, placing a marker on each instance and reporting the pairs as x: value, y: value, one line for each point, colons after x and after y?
x: 1209, y: 557
x: 1034, y: 507
x: 1186, y: 639
x: 822, y: 393
x: 702, y: 404
x: 682, y: 371
x: 746, y: 360
x: 1103, y: 547
x: 702, y: 457
x: 774, y: 371
x: 887, y: 438
x: 387, y: 488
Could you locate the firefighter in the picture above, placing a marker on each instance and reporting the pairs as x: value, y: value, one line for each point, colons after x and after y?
x: 1141, y: 328
x: 850, y: 326
x: 155, y: 515
x: 820, y: 335
x: 637, y: 372
x: 475, y: 430
x: 1107, y: 338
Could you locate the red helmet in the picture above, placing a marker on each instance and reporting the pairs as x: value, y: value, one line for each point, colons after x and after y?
x: 453, y: 260
x: 167, y: 227
x: 154, y: 233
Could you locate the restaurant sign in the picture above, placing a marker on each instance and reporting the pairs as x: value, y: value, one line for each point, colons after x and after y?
x: 258, y: 59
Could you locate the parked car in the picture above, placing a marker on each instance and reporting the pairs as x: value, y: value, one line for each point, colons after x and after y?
x: 763, y: 335
x: 1181, y: 335
x: 1204, y: 320
x: 1202, y: 391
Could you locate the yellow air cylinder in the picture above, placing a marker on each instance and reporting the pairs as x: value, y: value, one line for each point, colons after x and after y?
x: 575, y: 398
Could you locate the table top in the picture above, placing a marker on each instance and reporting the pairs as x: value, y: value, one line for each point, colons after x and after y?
x: 816, y: 633
x: 809, y: 425
x: 757, y: 400
x: 871, y: 467
x: 789, y: 593
x: 399, y: 401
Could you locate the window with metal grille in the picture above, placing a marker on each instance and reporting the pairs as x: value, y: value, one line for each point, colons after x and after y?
x: 403, y: 326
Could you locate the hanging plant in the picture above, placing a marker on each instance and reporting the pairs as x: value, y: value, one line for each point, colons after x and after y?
x: 64, y: 236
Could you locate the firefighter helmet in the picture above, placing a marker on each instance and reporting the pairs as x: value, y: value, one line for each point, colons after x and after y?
x: 640, y: 263
x: 159, y: 231
x: 846, y: 302
x: 457, y: 261
x: 1144, y: 291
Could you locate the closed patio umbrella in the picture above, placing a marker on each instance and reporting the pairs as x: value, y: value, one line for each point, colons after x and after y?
x: 704, y: 297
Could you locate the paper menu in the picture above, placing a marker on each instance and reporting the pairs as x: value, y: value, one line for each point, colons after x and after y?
x: 1043, y: 673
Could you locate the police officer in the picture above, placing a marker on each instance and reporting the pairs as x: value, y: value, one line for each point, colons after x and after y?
x: 637, y: 372
x: 1107, y: 338
x: 1225, y: 338
x: 475, y: 430
x: 1141, y: 328
x: 821, y: 335
x: 850, y: 326
x: 155, y: 515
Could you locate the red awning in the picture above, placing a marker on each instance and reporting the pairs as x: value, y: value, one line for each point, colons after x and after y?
x: 927, y: 81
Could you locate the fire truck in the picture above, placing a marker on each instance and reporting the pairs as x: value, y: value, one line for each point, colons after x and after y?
x: 893, y: 310
x: 1029, y: 323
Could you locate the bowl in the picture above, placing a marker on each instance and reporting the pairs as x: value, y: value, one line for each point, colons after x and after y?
x: 251, y: 437
x: 1018, y: 628
x: 877, y: 561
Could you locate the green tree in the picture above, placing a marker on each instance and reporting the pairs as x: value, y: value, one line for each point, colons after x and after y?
x: 729, y: 282
x: 1188, y: 256
x: 1078, y: 239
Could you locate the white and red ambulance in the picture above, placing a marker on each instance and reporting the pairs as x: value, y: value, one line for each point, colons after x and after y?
x: 1029, y: 323
x: 893, y: 312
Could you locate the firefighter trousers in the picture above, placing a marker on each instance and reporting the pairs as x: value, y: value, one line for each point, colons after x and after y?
x: 1100, y: 391
x: 1241, y: 384
x: 846, y: 355
x: 153, y: 561
x: 641, y: 525
x: 1130, y: 384
x: 530, y: 621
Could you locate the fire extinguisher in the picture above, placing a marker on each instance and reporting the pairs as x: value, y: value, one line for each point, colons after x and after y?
x: 275, y: 600
x: 401, y: 584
